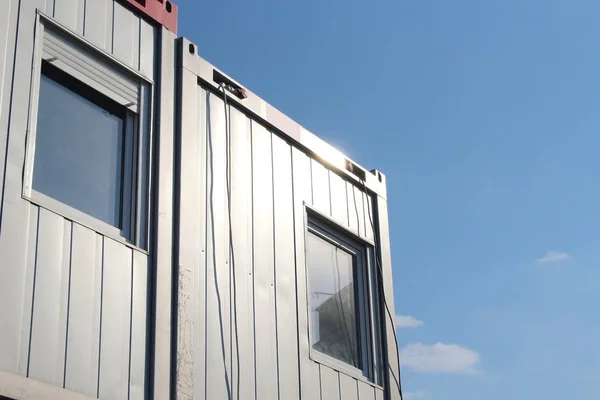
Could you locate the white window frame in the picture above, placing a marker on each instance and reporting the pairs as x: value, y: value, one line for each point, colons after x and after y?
x: 117, y: 85
x: 367, y: 297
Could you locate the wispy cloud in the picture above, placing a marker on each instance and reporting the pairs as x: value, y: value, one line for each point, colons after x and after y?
x: 407, y: 321
x: 439, y: 358
x: 413, y: 395
x: 553, y: 257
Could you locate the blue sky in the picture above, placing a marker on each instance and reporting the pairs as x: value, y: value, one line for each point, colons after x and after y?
x: 485, y: 117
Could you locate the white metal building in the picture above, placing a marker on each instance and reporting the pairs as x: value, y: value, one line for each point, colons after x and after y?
x: 166, y: 234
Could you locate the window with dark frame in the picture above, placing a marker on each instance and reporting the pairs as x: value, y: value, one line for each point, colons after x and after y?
x: 88, y: 149
x: 81, y: 152
x: 342, y: 304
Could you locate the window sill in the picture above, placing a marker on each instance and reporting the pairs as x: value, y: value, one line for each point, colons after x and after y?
x: 80, y: 218
x: 342, y: 368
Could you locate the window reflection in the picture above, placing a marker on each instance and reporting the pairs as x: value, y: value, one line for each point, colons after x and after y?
x: 79, y: 149
x: 334, y: 327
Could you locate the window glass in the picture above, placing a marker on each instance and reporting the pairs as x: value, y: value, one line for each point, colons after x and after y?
x: 334, y: 325
x: 79, y: 148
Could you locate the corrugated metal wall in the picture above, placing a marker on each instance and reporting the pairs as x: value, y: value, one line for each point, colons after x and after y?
x: 270, y: 183
x: 73, y: 299
x: 78, y: 300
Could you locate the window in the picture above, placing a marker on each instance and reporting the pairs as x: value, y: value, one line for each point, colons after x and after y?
x: 341, y: 301
x: 87, y: 151
x: 80, y: 148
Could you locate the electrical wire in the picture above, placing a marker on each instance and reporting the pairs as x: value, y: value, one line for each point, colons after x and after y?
x: 387, y: 308
x: 232, y: 263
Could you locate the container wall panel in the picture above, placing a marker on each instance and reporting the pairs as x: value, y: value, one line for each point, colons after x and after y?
x: 8, y: 32
x: 339, y: 199
x: 139, y: 327
x: 217, y: 291
x: 115, y: 321
x: 320, y: 188
x: 356, y: 215
x: 366, y: 391
x: 98, y: 27
x: 147, y: 53
x: 191, y: 263
x: 242, y: 311
x: 78, y: 298
x: 242, y: 256
x: 265, y: 317
x: 83, y: 336
x: 285, y: 270
x: 126, y: 35
x: 112, y: 27
x: 309, y: 370
x: 69, y: 13
x: 23, y: 362
x: 349, y: 388
x: 16, y: 283
x: 51, y: 289
x: 330, y: 383
x: 369, y: 219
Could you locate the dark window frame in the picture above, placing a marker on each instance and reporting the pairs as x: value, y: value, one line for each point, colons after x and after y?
x: 367, y: 298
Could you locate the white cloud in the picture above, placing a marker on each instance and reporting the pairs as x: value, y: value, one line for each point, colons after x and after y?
x: 439, y: 358
x: 407, y: 321
x: 413, y: 395
x: 553, y: 257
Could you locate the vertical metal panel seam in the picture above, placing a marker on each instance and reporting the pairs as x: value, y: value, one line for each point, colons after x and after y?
x: 137, y: 61
x: 312, y: 189
x: 253, y: 253
x: 84, y: 13
x: 230, y: 260
x: 294, y: 200
x: 112, y: 31
x: 339, y: 385
x: 101, y: 309
x: 347, y: 203
x: 8, y: 124
x: 68, y: 305
x: 365, y: 212
x: 206, y: 208
x: 274, y: 267
x: 320, y: 381
x: 229, y: 235
x: 130, y: 323
x: 9, y: 102
x: 330, y: 196
x: 33, y: 290
x: 355, y: 209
